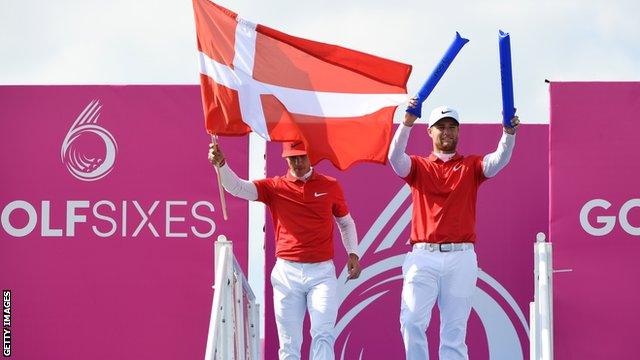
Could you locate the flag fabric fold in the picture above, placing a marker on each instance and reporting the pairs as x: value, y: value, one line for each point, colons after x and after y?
x: 340, y: 102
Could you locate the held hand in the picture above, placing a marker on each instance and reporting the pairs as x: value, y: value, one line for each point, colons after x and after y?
x: 353, y: 267
x: 216, y: 157
x: 515, y: 121
x: 409, y: 118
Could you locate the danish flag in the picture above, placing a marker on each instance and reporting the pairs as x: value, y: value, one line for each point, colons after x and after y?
x: 340, y: 102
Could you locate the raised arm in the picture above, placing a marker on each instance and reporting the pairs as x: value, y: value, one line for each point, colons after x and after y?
x: 233, y: 184
x: 401, y: 162
x: 494, y: 162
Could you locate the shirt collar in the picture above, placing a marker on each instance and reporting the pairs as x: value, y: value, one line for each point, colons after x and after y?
x: 443, y: 157
x: 306, y: 177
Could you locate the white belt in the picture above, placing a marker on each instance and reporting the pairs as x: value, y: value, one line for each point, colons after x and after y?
x: 443, y: 247
x: 303, y: 263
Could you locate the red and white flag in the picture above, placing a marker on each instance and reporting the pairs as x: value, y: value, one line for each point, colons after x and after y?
x: 340, y: 102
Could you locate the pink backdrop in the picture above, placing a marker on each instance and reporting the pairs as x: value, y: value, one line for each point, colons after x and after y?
x: 594, y: 160
x: 114, y: 297
x: 148, y: 296
x: 512, y: 208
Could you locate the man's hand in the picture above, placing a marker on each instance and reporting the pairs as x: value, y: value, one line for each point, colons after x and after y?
x: 353, y: 267
x: 515, y: 121
x: 409, y: 119
x: 216, y: 157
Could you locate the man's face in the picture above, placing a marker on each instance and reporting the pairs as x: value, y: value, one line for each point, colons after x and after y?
x: 444, y: 134
x: 299, y: 165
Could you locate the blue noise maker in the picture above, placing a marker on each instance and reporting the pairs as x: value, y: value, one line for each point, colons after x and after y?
x: 506, y: 78
x: 437, y: 73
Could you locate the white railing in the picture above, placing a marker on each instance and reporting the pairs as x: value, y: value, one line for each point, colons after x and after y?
x: 235, y: 323
x: 541, y: 309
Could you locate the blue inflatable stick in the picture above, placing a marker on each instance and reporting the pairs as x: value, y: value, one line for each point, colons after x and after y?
x: 508, y: 109
x: 437, y: 73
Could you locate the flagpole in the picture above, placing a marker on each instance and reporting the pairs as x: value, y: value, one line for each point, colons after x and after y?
x: 223, y: 203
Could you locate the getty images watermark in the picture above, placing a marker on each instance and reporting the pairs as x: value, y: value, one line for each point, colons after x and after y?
x: 6, y: 323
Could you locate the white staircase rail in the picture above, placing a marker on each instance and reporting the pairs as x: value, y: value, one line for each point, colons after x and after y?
x: 541, y: 309
x: 235, y: 323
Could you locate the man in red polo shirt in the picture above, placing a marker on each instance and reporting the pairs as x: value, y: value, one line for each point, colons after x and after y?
x: 303, y: 206
x: 442, y: 265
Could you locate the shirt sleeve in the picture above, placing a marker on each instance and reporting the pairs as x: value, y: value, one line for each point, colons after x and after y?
x: 411, y: 174
x: 478, y: 169
x: 235, y: 186
x: 398, y: 159
x: 264, y: 187
x: 348, y: 233
x: 497, y: 160
x: 339, y: 207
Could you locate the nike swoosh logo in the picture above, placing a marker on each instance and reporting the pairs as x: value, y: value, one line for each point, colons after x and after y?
x: 446, y: 112
x: 457, y: 167
x: 319, y: 194
x: 296, y: 144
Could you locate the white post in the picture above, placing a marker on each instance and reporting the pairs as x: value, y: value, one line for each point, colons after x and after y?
x: 254, y: 330
x: 226, y: 329
x: 232, y: 333
x: 533, y: 338
x: 542, y: 320
x: 222, y: 254
x: 256, y: 271
x: 534, y: 325
x: 239, y: 316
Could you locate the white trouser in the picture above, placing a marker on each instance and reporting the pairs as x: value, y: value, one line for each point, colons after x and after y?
x: 305, y: 286
x: 449, y: 277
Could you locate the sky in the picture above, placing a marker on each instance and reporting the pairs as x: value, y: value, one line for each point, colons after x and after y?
x: 153, y: 42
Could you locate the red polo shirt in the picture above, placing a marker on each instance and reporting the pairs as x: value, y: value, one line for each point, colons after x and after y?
x: 302, y: 214
x: 444, y: 198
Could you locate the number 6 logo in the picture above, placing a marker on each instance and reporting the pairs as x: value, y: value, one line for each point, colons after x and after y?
x: 79, y: 164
